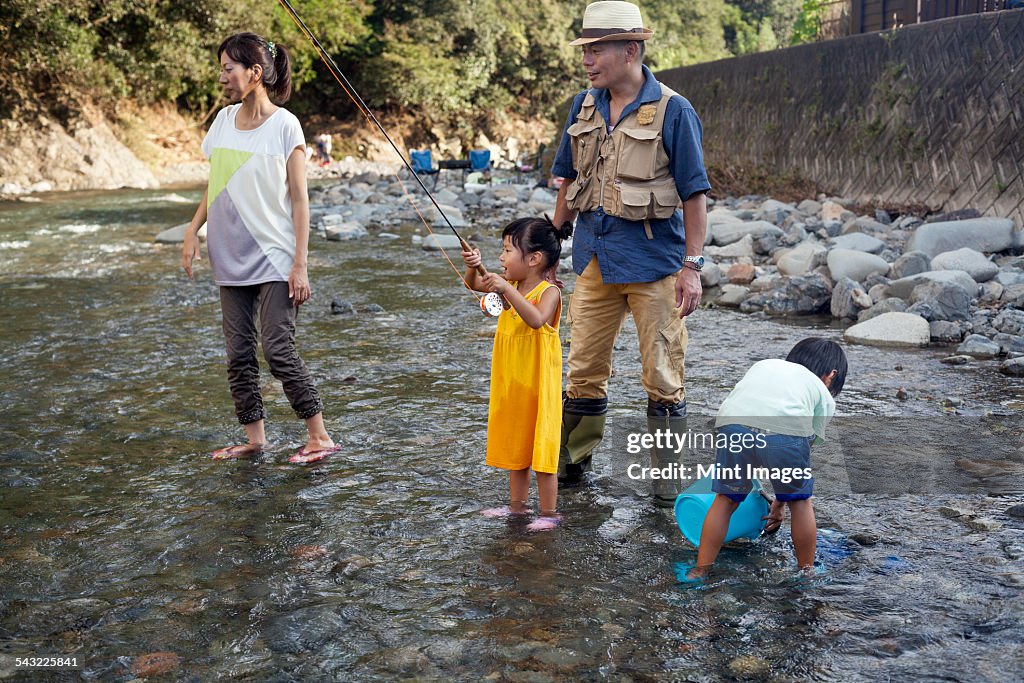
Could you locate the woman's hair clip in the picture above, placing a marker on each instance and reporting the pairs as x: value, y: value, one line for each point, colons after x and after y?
x: 272, y: 48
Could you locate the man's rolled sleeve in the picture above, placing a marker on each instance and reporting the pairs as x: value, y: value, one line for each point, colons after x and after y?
x: 683, y: 136
x: 562, y: 166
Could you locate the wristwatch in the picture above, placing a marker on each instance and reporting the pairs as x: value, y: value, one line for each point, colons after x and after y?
x: 697, y: 261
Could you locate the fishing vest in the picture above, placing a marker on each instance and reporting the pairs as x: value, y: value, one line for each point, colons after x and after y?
x: 627, y: 171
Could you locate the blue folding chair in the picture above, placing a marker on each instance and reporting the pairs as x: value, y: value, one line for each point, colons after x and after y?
x: 480, y: 162
x: 423, y: 164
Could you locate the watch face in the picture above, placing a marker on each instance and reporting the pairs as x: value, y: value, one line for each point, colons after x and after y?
x: 699, y: 261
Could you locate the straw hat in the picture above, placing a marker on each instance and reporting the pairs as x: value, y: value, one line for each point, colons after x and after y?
x: 612, y: 20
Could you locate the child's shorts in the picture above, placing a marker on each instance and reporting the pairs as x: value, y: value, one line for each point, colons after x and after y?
x: 787, y: 459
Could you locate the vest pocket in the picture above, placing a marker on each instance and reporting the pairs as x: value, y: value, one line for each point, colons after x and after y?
x: 638, y: 203
x: 584, y: 145
x: 637, y: 159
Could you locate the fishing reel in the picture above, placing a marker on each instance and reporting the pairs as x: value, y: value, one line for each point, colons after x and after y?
x: 492, y: 305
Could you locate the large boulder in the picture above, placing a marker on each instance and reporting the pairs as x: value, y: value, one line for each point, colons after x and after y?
x: 891, y: 329
x: 800, y: 259
x: 728, y: 232
x: 858, y: 241
x: 980, y: 234
x: 806, y: 295
x: 856, y: 265
x: 940, y: 301
x: 903, y: 287
x: 972, y: 262
x: 978, y: 346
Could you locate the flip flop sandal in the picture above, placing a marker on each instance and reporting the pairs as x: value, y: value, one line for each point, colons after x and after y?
x: 302, y: 456
x: 242, y: 450
x: 544, y: 524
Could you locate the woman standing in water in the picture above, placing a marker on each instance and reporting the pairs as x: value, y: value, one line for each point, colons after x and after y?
x: 257, y: 211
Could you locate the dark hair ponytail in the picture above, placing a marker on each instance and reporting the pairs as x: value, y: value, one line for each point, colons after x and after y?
x: 538, y: 234
x: 249, y: 49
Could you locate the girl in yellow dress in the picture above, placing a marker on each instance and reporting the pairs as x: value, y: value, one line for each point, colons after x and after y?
x: 524, y: 419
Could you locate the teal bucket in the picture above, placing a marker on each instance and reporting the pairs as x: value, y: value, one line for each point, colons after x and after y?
x: 693, y: 504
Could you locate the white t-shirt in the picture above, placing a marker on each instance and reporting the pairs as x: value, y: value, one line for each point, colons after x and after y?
x: 779, y: 396
x: 250, y: 233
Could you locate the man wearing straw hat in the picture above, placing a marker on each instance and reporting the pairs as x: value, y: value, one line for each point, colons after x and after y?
x: 631, y: 157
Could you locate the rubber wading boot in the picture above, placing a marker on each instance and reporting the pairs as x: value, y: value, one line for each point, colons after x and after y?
x: 582, y: 430
x: 668, y: 423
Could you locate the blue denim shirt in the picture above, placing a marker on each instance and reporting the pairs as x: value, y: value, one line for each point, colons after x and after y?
x: 623, y: 251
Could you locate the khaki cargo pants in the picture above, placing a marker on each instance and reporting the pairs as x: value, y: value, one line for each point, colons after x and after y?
x: 596, y: 314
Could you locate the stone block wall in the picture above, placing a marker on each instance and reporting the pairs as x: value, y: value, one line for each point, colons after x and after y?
x: 925, y: 114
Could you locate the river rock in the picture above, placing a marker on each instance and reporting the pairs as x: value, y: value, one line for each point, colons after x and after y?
x: 864, y: 224
x: 795, y: 234
x: 856, y: 265
x: 941, y: 301
x: 446, y: 196
x: 176, y: 235
x: 439, y: 242
x: 1009, y: 344
x: 766, y: 282
x: 978, y: 346
x: 729, y: 232
x: 155, y: 664
x: 774, y: 211
x: 974, y: 263
x: 891, y: 329
x: 980, y: 234
x: 832, y: 211
x: 848, y: 298
x: 710, y: 275
x: 1009, y: 321
x: 304, y: 630
x: 431, y: 214
x: 904, y: 286
x: 741, y: 274
x: 801, y: 259
x: 1012, y: 296
x: 344, y: 232
x: 858, y: 241
x: 911, y: 263
x: 956, y: 360
x: 733, y: 295
x: 809, y: 207
x: 890, y: 305
x: 805, y: 295
x: 991, y: 292
x: 341, y: 307
x: 946, y: 332
x: 739, y: 248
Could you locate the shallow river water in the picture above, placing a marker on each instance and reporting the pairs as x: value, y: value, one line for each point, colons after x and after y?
x: 123, y: 543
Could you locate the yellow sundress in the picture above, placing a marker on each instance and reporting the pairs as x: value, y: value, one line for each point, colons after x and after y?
x: 524, y: 418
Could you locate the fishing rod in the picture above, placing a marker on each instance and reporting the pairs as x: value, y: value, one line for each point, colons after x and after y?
x: 492, y: 303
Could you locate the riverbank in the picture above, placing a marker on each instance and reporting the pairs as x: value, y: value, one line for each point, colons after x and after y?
x: 158, y: 146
